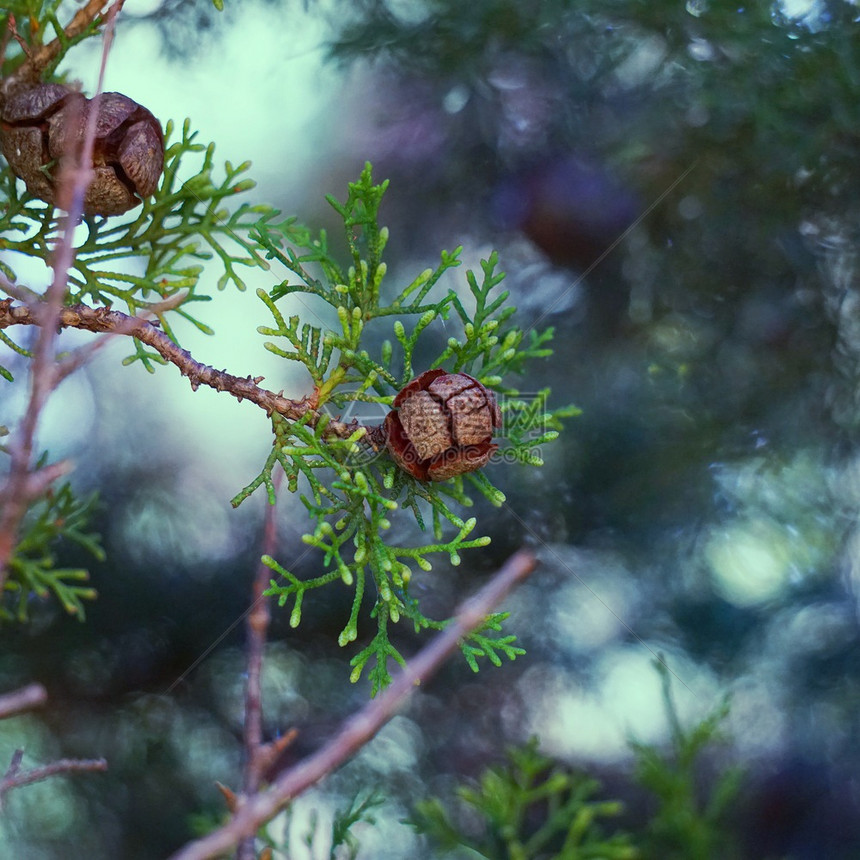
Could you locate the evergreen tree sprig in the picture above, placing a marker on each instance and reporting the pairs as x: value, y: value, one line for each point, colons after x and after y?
x: 686, y: 823
x: 59, y: 515
x: 529, y: 808
x: 348, y: 484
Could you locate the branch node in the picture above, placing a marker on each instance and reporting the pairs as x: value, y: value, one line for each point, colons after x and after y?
x: 269, y: 753
x: 230, y: 797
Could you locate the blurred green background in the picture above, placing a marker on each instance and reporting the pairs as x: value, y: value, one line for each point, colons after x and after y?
x: 675, y: 187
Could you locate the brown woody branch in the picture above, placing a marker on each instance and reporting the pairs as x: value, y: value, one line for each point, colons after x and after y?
x: 360, y: 728
x: 103, y: 320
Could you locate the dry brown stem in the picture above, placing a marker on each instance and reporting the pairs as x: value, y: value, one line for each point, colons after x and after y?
x: 361, y: 727
x: 257, y: 626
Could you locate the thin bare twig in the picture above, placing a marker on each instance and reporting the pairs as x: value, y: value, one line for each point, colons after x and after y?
x: 361, y: 727
x: 75, y: 177
x: 17, y: 702
x: 4, y: 39
x: 37, y: 482
x: 257, y: 625
x: 16, y: 778
x: 12, y: 30
x: 25, y: 699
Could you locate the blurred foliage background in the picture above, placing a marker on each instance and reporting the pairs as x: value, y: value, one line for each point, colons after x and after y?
x: 674, y: 187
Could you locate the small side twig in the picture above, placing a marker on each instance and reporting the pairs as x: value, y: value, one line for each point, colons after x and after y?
x: 361, y: 727
x: 17, y: 702
x: 12, y: 31
x: 16, y: 778
x: 37, y: 482
x: 26, y: 699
